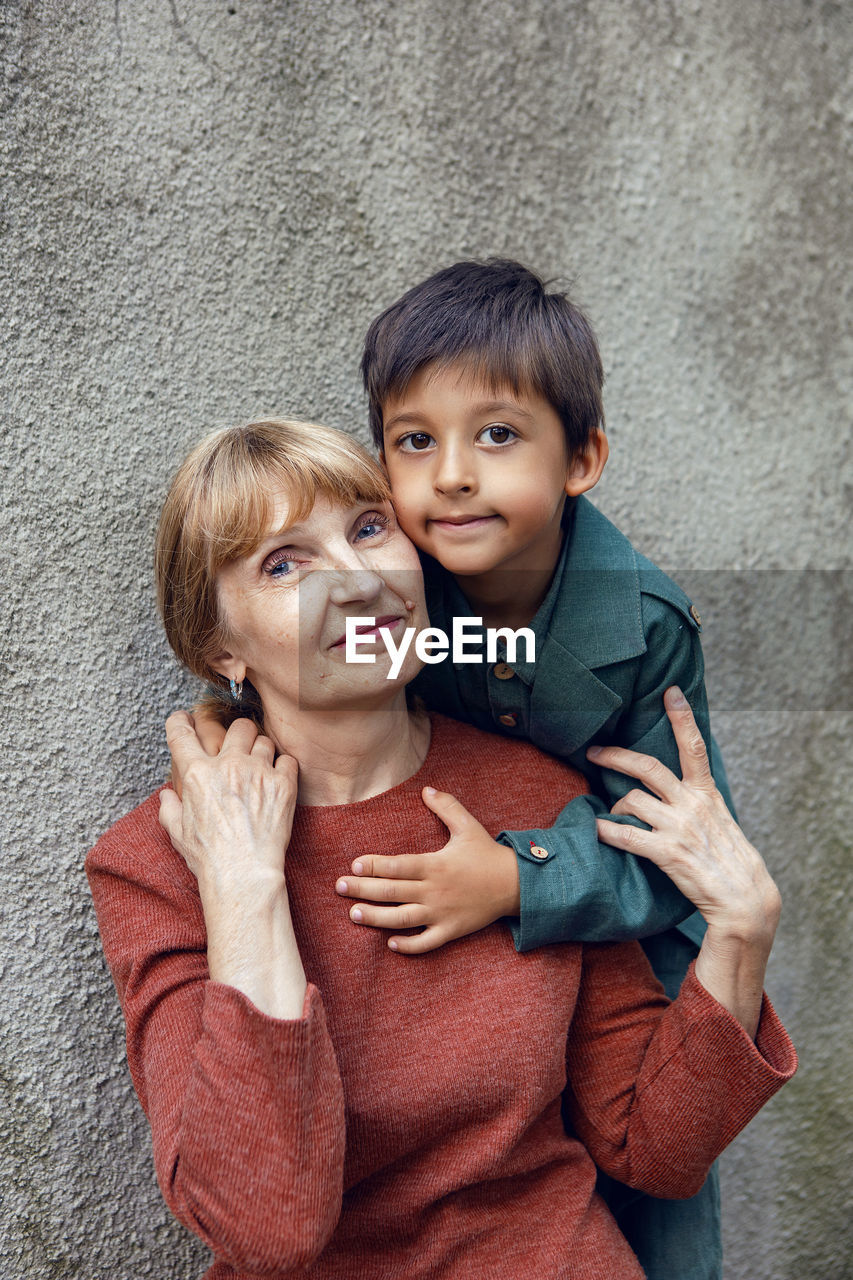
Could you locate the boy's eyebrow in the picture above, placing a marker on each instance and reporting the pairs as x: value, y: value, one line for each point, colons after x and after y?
x: 485, y: 406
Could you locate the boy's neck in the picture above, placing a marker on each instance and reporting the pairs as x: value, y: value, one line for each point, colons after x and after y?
x: 507, y: 597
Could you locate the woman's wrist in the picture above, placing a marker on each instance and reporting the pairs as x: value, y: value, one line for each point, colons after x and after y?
x: 250, y: 940
x: 731, y: 966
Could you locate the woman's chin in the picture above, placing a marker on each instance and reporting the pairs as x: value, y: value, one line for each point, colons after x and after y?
x: 342, y: 689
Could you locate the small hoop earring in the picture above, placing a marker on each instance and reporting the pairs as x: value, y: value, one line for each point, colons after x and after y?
x: 236, y: 689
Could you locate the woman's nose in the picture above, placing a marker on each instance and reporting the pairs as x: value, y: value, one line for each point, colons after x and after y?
x: 351, y: 583
x: 456, y: 472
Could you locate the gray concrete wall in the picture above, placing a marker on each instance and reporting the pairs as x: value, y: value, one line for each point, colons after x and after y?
x: 204, y: 203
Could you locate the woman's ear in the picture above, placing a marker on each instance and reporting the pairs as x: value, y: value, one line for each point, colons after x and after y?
x: 585, y: 468
x: 228, y: 666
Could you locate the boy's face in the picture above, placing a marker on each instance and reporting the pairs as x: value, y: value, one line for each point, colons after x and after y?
x: 478, y: 476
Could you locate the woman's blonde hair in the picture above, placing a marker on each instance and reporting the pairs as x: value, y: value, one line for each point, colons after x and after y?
x: 219, y: 508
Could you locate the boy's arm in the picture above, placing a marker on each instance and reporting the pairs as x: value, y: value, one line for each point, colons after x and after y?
x: 580, y: 890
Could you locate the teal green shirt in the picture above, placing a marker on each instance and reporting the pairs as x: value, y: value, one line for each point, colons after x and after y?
x: 612, y: 633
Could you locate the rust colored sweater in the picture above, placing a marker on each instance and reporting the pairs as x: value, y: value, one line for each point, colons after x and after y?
x: 409, y: 1124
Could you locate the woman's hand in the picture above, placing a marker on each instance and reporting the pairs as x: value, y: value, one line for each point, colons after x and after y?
x: 697, y: 843
x: 232, y: 828
x: 237, y: 808
x: 209, y: 732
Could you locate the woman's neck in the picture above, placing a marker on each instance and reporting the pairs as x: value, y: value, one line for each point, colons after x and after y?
x: 346, y: 756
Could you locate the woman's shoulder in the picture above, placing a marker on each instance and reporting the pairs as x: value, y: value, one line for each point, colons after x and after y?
x: 136, y: 846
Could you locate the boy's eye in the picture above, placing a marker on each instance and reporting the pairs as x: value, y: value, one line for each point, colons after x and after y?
x: 415, y: 441
x: 497, y: 434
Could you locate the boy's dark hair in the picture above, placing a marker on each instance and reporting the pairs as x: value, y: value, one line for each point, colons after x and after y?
x: 497, y: 317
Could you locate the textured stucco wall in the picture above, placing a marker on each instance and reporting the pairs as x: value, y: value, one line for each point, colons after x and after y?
x: 203, y: 205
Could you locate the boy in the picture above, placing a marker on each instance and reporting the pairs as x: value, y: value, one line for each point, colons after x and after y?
x: 485, y: 404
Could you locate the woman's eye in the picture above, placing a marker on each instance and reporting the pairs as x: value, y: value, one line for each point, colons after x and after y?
x: 281, y: 564
x: 415, y: 442
x: 497, y: 434
x: 374, y: 524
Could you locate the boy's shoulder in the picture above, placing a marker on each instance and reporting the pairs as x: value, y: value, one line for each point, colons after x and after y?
x: 609, y: 596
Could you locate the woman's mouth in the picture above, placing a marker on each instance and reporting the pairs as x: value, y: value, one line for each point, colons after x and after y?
x: 366, y: 628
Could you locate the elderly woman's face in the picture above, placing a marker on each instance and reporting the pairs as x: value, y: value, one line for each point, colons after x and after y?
x: 285, y: 606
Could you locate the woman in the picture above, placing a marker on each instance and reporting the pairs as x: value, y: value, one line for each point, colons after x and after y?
x: 319, y: 1105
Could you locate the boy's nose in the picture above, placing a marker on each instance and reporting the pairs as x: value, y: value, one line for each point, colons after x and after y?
x: 455, y: 473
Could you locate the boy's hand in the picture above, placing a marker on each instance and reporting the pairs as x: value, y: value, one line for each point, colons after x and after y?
x: 211, y: 735
x: 465, y: 886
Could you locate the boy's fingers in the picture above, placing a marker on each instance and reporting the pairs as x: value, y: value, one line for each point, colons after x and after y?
x: 405, y: 866
x: 417, y: 944
x: 410, y: 916
x: 692, y: 754
x: 452, y: 812
x: 378, y: 890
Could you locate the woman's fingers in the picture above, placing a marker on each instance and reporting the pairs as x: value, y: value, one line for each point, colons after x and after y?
x: 183, y: 740
x: 646, y: 769
x: 263, y: 748
x: 639, y: 804
x: 620, y: 835
x: 211, y: 734
x: 171, y: 816
x: 692, y: 754
x: 240, y: 738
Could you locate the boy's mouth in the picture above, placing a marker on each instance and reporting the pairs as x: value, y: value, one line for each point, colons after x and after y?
x: 463, y: 522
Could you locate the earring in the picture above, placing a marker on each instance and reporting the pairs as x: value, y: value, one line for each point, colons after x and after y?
x: 236, y: 689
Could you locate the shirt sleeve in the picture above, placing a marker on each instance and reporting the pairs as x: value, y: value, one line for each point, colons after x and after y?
x: 246, y: 1111
x: 657, y: 1090
x: 585, y: 891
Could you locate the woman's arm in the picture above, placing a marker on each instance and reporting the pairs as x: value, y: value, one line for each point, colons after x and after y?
x: 656, y: 1091
x: 232, y: 827
x: 697, y: 843
x: 246, y: 1107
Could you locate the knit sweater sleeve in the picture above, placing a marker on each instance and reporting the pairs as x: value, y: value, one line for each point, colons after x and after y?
x: 657, y: 1090
x: 246, y: 1111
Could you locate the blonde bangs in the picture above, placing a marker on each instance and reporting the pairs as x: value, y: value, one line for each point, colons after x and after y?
x: 247, y: 470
